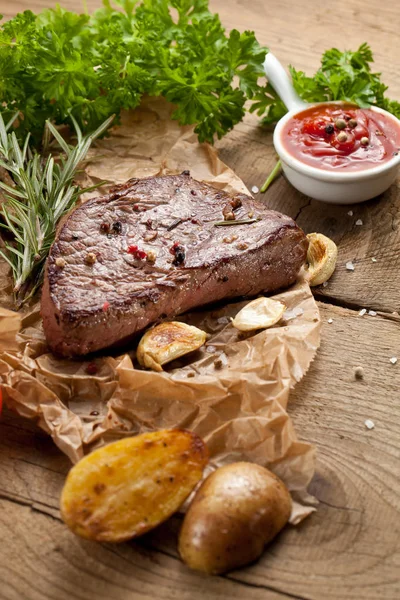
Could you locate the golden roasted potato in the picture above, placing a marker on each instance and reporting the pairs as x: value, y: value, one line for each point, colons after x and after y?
x: 259, y: 314
x: 168, y: 341
x: 124, y: 489
x: 321, y: 258
x: 237, y: 510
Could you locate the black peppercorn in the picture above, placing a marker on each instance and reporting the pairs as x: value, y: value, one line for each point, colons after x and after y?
x: 179, y: 252
x: 186, y: 172
x: 117, y: 227
x: 329, y: 129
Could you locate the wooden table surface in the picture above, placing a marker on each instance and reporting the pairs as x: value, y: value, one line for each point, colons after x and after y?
x: 350, y: 548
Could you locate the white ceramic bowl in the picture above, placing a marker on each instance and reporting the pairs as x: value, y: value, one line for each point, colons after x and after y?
x: 328, y: 186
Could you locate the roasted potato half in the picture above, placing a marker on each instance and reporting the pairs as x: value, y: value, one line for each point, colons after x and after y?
x: 124, y: 489
x: 166, y: 342
x: 237, y: 510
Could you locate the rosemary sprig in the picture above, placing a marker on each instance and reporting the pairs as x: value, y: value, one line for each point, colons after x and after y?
x: 238, y: 222
x: 42, y: 192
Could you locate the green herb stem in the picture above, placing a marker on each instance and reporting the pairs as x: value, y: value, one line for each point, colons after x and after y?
x: 275, y: 173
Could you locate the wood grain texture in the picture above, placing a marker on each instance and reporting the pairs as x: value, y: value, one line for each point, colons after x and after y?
x: 350, y: 548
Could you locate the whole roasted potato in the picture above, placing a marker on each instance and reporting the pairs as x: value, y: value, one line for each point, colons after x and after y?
x: 124, y: 489
x: 237, y: 510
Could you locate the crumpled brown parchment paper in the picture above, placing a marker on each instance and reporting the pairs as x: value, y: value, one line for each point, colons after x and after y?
x: 237, y: 404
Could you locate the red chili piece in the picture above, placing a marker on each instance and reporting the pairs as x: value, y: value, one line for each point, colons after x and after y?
x: 174, y: 247
x: 134, y: 250
x: 106, y: 306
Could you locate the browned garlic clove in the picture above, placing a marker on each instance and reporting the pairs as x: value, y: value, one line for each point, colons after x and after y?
x: 168, y: 341
x: 321, y: 258
x: 259, y: 314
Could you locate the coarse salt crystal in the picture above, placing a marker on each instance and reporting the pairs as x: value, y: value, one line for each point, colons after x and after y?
x: 211, y: 349
x: 372, y: 313
x: 255, y: 189
x: 325, y: 284
x: 224, y: 359
x: 359, y: 222
x: 330, y: 321
x: 350, y: 213
x: 288, y: 315
x: 393, y: 360
x: 373, y: 259
x: 362, y: 312
x: 369, y: 424
x: 350, y: 266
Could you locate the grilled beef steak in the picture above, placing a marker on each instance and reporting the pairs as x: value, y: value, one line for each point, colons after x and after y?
x: 151, y: 250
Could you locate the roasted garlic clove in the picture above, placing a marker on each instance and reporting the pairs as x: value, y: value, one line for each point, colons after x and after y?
x: 321, y: 257
x: 259, y: 314
x: 168, y: 341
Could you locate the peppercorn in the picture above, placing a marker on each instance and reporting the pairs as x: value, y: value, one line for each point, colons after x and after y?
x: 117, y: 227
x: 352, y: 123
x: 359, y: 373
x: 193, y: 192
x: 329, y: 129
x: 91, y: 369
x: 105, y: 227
x: 90, y: 258
x: 342, y: 137
x: 179, y: 255
x: 134, y: 250
x: 364, y: 141
x: 340, y: 124
x: 60, y: 262
x: 151, y: 256
x: 236, y: 203
x: 186, y: 172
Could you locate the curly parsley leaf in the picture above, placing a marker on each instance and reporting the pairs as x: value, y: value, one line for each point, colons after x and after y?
x: 342, y: 76
x: 59, y: 63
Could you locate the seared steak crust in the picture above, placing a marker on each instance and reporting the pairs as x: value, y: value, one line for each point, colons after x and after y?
x: 100, y: 288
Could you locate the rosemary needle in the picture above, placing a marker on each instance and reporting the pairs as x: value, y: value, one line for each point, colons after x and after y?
x: 238, y: 222
x: 42, y: 191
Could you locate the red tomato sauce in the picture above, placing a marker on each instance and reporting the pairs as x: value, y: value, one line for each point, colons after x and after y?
x: 336, y: 137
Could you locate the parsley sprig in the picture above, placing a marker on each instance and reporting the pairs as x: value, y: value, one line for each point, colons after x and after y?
x: 58, y: 64
x: 344, y: 76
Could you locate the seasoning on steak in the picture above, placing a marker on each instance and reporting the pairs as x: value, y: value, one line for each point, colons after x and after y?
x: 158, y: 254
